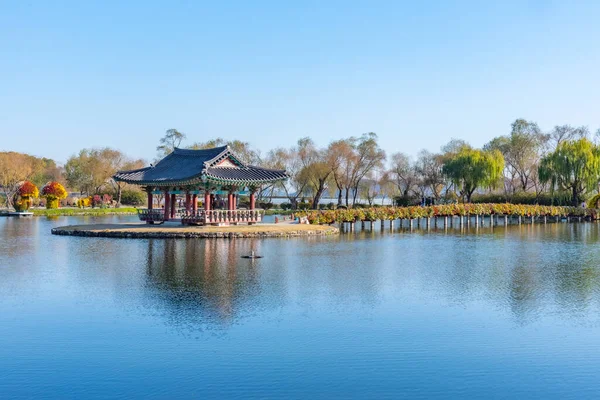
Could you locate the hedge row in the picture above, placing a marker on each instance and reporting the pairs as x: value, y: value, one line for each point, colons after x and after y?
x: 393, y: 213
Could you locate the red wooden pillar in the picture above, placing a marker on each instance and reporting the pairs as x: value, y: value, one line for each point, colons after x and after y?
x: 230, y: 201
x: 194, y: 203
x: 233, y: 201
x: 150, y: 199
x: 188, y: 197
x: 173, y: 205
x: 252, y: 201
x: 206, y: 200
x: 167, y: 212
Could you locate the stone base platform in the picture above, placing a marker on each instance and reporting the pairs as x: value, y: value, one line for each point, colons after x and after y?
x: 144, y: 231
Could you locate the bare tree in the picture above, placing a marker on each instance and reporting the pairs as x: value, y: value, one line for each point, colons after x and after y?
x: 169, y: 142
x: 522, y: 151
x: 563, y: 133
x: 15, y: 168
x: 368, y: 156
x: 340, y: 154
x: 429, y: 169
x: 404, y: 176
x: 243, y: 150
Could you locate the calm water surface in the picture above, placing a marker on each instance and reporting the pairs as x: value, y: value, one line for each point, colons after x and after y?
x: 504, y: 314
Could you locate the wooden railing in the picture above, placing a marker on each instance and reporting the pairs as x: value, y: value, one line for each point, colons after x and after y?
x: 202, y: 217
x: 215, y: 217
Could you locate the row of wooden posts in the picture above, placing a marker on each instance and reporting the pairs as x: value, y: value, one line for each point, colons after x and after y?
x: 464, y: 220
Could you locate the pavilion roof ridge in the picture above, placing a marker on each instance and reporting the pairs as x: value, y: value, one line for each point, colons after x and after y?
x: 190, y: 166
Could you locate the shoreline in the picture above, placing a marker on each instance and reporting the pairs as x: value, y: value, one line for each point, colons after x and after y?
x: 144, y: 231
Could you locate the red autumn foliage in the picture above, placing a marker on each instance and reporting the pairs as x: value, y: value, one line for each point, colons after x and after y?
x: 28, y: 189
x: 54, y: 190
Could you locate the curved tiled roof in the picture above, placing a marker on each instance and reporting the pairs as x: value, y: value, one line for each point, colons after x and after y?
x: 249, y: 174
x: 187, y: 167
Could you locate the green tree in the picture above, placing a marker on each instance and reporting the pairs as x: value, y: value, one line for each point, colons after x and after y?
x: 574, y: 167
x: 92, y: 169
x: 470, y: 169
x: 317, y: 175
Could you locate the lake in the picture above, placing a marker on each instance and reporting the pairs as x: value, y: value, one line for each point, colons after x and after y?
x: 508, y: 313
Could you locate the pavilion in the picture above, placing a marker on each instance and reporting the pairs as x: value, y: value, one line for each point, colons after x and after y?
x: 211, y: 172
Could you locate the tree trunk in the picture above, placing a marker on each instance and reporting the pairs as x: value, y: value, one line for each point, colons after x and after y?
x: 354, y: 195
x: 118, y: 196
x: 469, y: 195
x: 318, y: 195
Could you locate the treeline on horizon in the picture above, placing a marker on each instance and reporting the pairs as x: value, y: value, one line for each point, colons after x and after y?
x: 527, y: 165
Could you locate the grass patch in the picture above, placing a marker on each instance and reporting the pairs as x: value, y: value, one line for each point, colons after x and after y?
x: 82, y: 211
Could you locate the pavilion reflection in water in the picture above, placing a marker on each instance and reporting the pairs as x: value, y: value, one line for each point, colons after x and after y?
x: 200, y: 284
x: 203, y: 282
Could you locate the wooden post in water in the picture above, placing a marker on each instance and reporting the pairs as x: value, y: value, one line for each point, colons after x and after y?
x: 505, y: 220
x: 445, y: 221
x: 519, y: 220
x: 410, y: 223
x: 545, y: 219
x: 476, y: 219
x: 468, y: 220
x: 427, y: 222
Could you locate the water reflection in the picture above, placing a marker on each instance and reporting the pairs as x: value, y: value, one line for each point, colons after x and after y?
x: 365, y: 314
x: 202, y: 282
x: 528, y: 271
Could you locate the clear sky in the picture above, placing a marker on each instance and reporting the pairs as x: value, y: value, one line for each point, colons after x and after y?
x: 119, y: 73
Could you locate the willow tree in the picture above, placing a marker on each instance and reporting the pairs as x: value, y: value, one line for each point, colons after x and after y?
x: 574, y: 167
x: 470, y: 169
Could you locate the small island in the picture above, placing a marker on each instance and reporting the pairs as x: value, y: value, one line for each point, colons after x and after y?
x: 175, y: 231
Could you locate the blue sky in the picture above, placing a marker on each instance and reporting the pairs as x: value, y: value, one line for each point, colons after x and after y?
x: 99, y: 73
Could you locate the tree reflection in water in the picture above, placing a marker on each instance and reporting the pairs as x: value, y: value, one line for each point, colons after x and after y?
x: 523, y: 272
x: 201, y: 283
